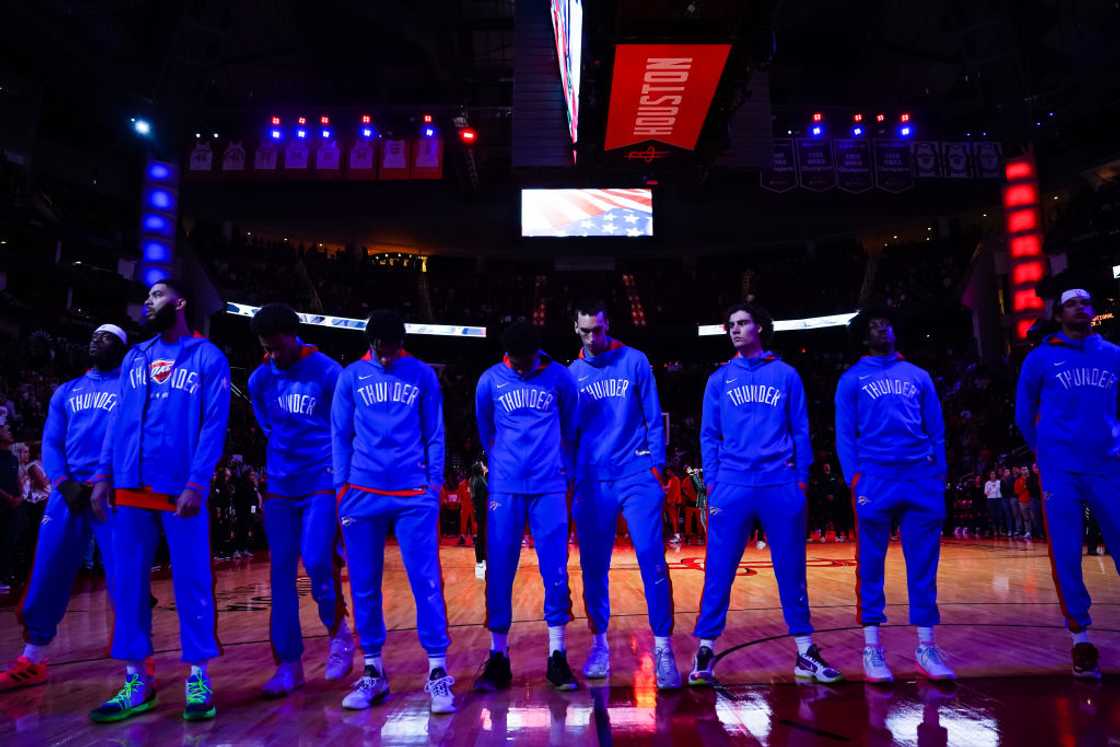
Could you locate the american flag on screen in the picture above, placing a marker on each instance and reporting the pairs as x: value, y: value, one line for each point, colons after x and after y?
x: 586, y: 212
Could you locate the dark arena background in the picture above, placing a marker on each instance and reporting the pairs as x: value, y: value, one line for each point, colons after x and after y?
x: 475, y: 163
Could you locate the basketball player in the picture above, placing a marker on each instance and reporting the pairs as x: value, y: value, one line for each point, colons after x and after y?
x: 291, y: 394
x: 619, y: 461
x: 526, y: 412
x: 163, y: 442
x: 1066, y: 409
x: 387, y: 431
x: 891, y: 442
x: 754, y: 443
x: 72, y: 438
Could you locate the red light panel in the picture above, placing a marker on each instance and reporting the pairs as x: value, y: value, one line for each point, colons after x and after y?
x: 1022, y: 220
x: 1022, y: 327
x: 817, y: 116
x: 366, y: 119
x: 427, y: 119
x: 1027, y: 272
x: 1025, y: 300
x: 324, y: 120
x: 857, y: 117
x: 1020, y: 195
x: 1021, y: 169
x: 276, y: 120
x: 1026, y: 246
x: 468, y: 135
x: 904, y: 117
x: 302, y: 120
x: 880, y: 118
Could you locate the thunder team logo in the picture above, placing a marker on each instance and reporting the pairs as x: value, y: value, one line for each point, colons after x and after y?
x: 161, y: 370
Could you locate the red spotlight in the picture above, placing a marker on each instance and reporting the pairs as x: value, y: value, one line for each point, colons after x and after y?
x: 1020, y: 169
x: 817, y: 117
x: 366, y: 119
x: 857, y: 117
x: 880, y: 118
x: 468, y: 135
x: 324, y: 120
x: 427, y: 119
x: 302, y: 120
x: 276, y: 120
x: 904, y: 117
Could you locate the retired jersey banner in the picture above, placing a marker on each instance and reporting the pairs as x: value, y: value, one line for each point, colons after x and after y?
x: 958, y: 160
x: 234, y: 158
x: 927, y: 159
x: 781, y: 174
x: 853, y: 165
x: 662, y: 92
x: 894, y: 167
x: 987, y: 160
x: 815, y: 168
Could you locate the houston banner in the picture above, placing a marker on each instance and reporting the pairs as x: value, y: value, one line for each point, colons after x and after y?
x: 662, y: 92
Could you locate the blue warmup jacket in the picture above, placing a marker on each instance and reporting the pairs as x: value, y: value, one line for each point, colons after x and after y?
x: 755, y: 427
x: 527, y: 424
x: 620, y: 427
x: 387, y: 426
x: 888, y: 417
x: 293, y: 407
x: 77, y: 419
x: 1066, y: 404
x: 197, y: 390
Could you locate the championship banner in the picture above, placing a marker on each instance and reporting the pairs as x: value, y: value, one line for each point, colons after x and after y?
x: 662, y: 92
x: 894, y: 169
x: 927, y: 159
x: 362, y: 163
x: 202, y: 158
x: 394, y: 159
x: 296, y: 156
x: 987, y: 160
x: 781, y: 174
x: 266, y: 158
x: 328, y: 158
x: 815, y: 170
x: 957, y: 159
x: 427, y: 158
x: 853, y: 165
x: 233, y: 160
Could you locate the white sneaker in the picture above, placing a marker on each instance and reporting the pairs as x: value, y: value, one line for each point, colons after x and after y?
x: 840, y: 538
x: 875, y: 667
x: 288, y: 677
x: 370, y: 689
x: 439, y: 687
x: 675, y: 539
x: 932, y: 664
x: 340, y: 657
x: 480, y: 571
x: 598, y: 664
x: 665, y: 666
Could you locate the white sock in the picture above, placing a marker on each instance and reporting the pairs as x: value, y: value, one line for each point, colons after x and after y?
x: 375, y: 662
x: 870, y: 635
x: 1081, y: 637
x: 499, y: 642
x: 34, y: 654
x: 599, y: 640
x: 198, y: 669
x: 437, y: 662
x: 556, y: 639
x: 709, y: 642
x: 925, y: 636
x: 662, y: 641
x: 803, y: 643
x: 134, y: 667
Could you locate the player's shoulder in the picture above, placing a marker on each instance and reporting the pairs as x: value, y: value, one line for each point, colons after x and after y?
x: 717, y: 375
x: 260, y: 375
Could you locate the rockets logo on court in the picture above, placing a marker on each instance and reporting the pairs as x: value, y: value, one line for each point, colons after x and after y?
x: 161, y: 370
x: 863, y: 500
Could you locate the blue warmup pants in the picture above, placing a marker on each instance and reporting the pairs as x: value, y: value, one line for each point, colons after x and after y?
x: 547, y: 515
x: 135, y: 535
x: 1065, y: 493
x: 366, y: 521
x: 62, y: 538
x: 305, y: 527
x: 916, y: 498
x: 641, y: 500
x: 732, y: 512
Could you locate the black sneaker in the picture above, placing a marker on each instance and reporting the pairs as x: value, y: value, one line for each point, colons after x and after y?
x: 702, y: 664
x: 496, y: 675
x: 559, y: 673
x: 812, y: 666
x: 1086, y: 662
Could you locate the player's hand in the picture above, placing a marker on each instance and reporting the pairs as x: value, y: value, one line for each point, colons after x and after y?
x: 189, y: 503
x: 99, y: 499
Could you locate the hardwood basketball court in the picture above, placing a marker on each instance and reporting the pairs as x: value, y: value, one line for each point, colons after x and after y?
x: 1002, y: 630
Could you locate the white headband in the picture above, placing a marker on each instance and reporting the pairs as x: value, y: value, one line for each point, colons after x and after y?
x: 1076, y: 293
x: 113, y: 330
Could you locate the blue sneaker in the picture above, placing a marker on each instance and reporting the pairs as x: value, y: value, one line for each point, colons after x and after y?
x: 200, y: 699
x: 138, y: 695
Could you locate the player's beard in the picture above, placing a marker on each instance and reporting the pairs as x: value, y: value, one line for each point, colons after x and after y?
x: 162, y: 320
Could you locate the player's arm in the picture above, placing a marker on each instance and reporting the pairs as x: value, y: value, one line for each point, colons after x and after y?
x: 484, y: 412
x: 54, y: 439
x: 431, y: 428
x: 934, y: 423
x: 342, y: 429
x: 215, y: 422
x: 1028, y: 395
x: 711, y: 431
x: 568, y: 400
x: 847, y: 435
x: 651, y: 408
x: 257, y: 400
x: 798, y: 414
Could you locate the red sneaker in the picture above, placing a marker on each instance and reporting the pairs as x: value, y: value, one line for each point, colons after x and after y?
x: 23, y: 673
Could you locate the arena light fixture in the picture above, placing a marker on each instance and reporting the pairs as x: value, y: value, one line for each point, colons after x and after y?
x: 788, y: 325
x: 359, y: 325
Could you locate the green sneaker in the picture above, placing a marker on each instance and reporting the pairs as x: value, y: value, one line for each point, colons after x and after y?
x: 200, y: 699
x: 137, y: 696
